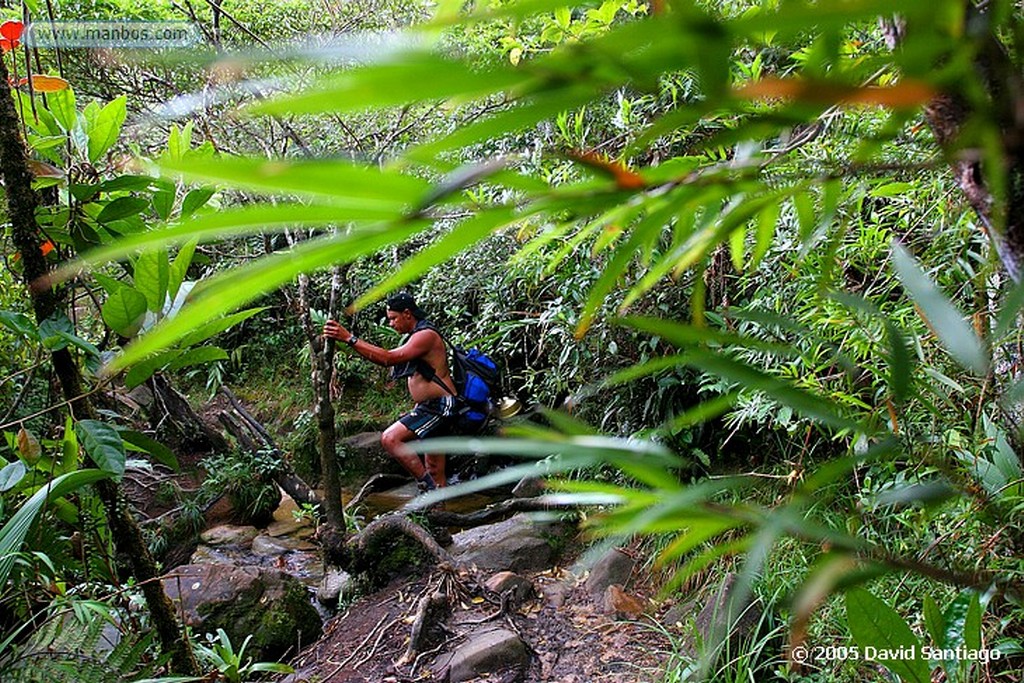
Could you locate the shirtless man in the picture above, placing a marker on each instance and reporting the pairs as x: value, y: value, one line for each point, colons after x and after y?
x: 423, y: 352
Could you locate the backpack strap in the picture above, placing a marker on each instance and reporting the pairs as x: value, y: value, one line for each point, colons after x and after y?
x: 425, y: 368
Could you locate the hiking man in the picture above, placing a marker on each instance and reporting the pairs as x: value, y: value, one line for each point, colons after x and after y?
x: 423, y: 359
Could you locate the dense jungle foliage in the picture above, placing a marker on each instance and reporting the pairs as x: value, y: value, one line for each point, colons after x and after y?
x: 757, y: 261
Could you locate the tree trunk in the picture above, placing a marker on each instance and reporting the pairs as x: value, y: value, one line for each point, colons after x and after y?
x: 948, y: 116
x: 193, y: 432
x: 22, y: 203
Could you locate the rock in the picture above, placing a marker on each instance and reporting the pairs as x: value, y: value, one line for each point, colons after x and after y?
x: 679, y: 614
x: 621, y: 604
x: 484, y: 652
x: 614, y: 568
x: 331, y: 587
x: 517, y: 544
x: 521, y: 589
x: 713, y: 620
x: 268, y: 546
x: 528, y: 487
x: 555, y: 593
x: 229, y: 534
x: 286, y: 527
x: 204, y: 554
x: 270, y: 605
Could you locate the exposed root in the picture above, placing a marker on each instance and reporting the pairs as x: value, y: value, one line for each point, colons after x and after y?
x: 391, y: 525
x: 431, y: 612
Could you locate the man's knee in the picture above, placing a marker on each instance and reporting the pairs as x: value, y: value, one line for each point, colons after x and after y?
x: 391, y: 440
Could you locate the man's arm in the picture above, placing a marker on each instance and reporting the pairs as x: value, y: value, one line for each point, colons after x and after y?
x: 416, y: 347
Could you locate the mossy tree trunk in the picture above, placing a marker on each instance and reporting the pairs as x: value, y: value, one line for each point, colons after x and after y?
x: 22, y: 203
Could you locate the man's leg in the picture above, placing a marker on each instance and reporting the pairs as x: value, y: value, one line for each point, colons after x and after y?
x: 394, y: 439
x: 435, y: 465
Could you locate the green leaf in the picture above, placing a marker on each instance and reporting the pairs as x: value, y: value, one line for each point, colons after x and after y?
x: 215, y: 327
x: 11, y: 474
x: 955, y: 334
x: 144, y: 369
x: 413, y: 77
x: 13, y: 533
x: 204, y: 354
x: 163, y: 203
x: 124, y: 310
x: 874, y: 623
x: 62, y: 105
x: 179, y: 268
x: 222, y: 224
x: 104, y: 126
x: 344, y: 183
x: 933, y: 620
x: 152, y: 272
x: 121, y: 208
x: 962, y: 621
x: 161, y: 453
x: 229, y: 290
x: 20, y: 324
x: 195, y: 199
x: 103, y: 444
x: 55, y: 331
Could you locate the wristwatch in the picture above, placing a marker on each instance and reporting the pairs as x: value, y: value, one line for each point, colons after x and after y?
x: 351, y: 341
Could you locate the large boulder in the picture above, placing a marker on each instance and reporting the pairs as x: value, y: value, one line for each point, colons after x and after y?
x: 486, y: 651
x: 519, y: 544
x: 268, y: 604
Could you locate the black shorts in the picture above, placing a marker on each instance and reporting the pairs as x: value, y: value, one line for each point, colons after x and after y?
x: 435, y: 417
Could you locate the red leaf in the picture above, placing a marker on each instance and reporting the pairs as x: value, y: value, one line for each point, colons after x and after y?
x: 625, y: 178
x: 8, y: 45
x: 11, y: 30
x: 42, y: 83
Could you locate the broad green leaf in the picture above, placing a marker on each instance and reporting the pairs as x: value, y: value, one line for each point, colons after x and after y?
x: 103, y: 444
x: 204, y: 354
x: 229, y: 290
x: 124, y: 310
x: 135, y: 183
x: 462, y: 236
x: 62, y: 105
x: 1012, y: 302
x: 161, y: 453
x: 413, y: 77
x: 215, y: 327
x: 179, y: 268
x: 12, y: 535
x: 766, y: 225
x: 163, y: 203
x: 874, y: 623
x: 11, y: 474
x: 246, y: 220
x: 69, y: 446
x: 55, y: 331
x: 195, y: 199
x: 122, y: 207
x: 955, y: 334
x: 20, y: 324
x: 103, y: 127
x: 933, y: 620
x: 152, y: 272
x: 962, y: 621
x: 144, y: 369
x: 346, y: 183
x: 109, y: 284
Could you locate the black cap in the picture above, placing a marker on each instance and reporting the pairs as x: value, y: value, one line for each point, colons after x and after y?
x: 403, y: 301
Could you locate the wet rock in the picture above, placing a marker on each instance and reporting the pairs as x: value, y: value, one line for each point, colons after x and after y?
x: 621, y: 604
x: 229, y: 534
x: 519, y: 588
x: 614, y: 568
x: 204, y: 554
x: 486, y: 651
x: 517, y: 544
x: 268, y: 546
x: 528, y: 487
x: 287, y: 527
x: 269, y: 604
x: 331, y: 587
x: 715, y: 618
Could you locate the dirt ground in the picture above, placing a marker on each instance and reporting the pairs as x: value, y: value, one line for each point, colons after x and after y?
x: 569, y: 637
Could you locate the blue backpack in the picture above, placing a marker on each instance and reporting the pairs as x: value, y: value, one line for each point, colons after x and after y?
x: 477, y: 382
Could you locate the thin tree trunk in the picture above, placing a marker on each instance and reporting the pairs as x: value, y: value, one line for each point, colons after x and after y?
x: 22, y: 203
